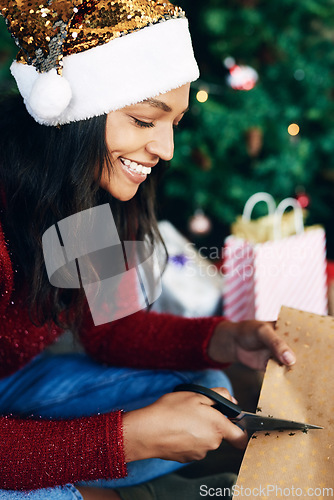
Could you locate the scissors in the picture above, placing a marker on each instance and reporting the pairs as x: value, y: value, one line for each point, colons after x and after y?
x: 251, y: 422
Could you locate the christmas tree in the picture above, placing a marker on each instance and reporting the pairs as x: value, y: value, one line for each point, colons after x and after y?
x: 275, y: 134
x: 239, y: 142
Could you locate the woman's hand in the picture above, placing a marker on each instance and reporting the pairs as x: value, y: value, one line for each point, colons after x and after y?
x: 179, y: 426
x: 249, y: 342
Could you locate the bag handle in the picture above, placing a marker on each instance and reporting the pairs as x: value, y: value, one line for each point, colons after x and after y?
x: 298, y: 216
x: 253, y: 200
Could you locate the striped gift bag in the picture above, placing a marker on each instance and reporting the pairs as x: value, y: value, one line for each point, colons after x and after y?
x: 261, y: 277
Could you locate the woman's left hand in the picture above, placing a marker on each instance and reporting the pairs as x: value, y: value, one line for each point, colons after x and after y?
x: 249, y: 342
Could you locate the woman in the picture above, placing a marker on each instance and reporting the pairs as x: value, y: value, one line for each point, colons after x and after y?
x: 103, y: 84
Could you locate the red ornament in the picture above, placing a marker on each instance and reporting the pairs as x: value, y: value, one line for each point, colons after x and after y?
x: 240, y: 77
x: 303, y: 199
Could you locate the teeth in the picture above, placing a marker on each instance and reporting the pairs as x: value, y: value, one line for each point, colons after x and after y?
x: 136, y: 167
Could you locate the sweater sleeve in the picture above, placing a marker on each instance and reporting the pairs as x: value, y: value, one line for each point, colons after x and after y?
x: 45, y: 453
x: 152, y: 340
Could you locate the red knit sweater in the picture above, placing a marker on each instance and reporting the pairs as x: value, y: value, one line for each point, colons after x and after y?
x: 39, y: 453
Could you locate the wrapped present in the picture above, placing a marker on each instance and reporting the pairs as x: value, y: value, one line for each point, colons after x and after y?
x: 191, y: 284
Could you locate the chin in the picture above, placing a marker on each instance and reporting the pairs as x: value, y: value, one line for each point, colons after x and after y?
x: 120, y: 195
x: 125, y: 198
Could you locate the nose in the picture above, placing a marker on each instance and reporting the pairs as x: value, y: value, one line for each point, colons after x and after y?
x: 161, y: 143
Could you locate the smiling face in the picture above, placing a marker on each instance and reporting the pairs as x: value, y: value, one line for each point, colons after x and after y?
x: 138, y: 136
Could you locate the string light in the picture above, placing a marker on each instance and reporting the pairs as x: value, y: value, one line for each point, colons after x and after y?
x: 293, y: 129
x: 202, y: 95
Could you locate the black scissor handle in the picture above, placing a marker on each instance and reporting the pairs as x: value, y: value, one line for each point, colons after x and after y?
x: 222, y: 404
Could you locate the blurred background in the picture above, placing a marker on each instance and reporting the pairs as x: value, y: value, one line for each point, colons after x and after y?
x: 261, y: 115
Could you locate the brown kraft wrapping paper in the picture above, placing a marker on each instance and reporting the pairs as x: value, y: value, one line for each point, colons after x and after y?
x: 295, y: 464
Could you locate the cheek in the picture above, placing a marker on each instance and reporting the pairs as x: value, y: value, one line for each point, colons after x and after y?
x: 115, y: 142
x: 123, y: 139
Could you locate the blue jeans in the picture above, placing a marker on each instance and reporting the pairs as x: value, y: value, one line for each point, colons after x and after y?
x: 73, y: 385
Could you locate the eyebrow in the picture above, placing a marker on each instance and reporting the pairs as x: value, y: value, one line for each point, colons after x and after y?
x: 161, y: 105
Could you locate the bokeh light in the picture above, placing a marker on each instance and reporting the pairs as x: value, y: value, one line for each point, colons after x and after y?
x: 202, y: 96
x: 293, y: 129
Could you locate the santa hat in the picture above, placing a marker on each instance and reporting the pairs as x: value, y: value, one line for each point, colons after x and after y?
x: 80, y: 59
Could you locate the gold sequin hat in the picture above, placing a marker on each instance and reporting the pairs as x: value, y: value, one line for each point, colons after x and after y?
x: 80, y: 59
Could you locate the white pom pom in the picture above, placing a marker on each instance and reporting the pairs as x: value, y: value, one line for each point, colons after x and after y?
x: 50, y: 96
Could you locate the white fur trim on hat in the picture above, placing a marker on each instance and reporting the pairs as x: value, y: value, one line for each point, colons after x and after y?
x: 124, y: 71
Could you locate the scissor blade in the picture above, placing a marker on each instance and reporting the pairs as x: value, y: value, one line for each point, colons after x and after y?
x: 253, y: 423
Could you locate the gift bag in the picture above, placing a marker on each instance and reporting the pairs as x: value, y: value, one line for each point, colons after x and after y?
x: 291, y: 271
x: 292, y: 464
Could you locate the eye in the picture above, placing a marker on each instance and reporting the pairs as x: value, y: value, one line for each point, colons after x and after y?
x: 142, y: 124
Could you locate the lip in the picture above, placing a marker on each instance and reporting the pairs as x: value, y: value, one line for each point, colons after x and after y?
x: 134, y: 177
